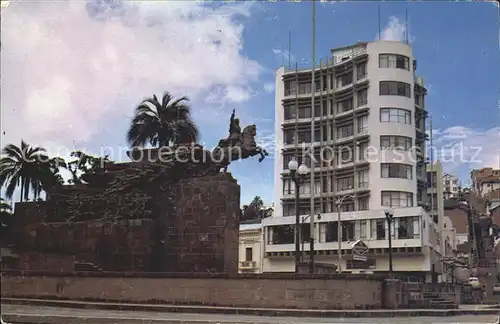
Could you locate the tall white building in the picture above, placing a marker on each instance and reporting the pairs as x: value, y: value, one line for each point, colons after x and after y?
x: 369, y: 147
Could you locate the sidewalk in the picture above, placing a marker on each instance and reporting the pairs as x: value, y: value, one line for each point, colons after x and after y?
x: 464, y: 310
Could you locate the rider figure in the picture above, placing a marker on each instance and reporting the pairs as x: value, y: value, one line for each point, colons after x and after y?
x: 234, y: 130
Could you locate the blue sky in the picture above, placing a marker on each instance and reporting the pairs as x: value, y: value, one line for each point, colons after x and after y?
x: 76, y: 76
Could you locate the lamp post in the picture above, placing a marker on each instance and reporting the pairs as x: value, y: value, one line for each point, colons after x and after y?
x: 297, y: 174
x: 311, y: 241
x: 339, y: 203
x: 389, y: 214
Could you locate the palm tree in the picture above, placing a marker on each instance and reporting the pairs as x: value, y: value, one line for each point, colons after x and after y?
x: 162, y: 123
x: 22, y: 166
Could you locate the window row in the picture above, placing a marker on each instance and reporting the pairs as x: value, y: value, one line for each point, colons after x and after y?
x: 397, y: 199
x: 325, y: 207
x: 328, y: 184
x: 322, y: 134
x: 396, y: 170
x: 388, y: 142
x: 394, y: 61
x: 325, y: 107
x: 367, y: 229
x: 395, y: 115
x: 326, y: 82
x: 394, y: 88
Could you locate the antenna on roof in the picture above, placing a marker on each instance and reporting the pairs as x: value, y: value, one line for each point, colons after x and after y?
x: 406, y: 26
x: 379, y: 29
x: 289, y: 49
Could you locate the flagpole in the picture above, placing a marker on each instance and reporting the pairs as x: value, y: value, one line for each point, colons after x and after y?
x: 313, y: 90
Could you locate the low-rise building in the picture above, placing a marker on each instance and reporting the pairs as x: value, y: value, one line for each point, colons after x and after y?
x: 451, y: 186
x: 250, y: 247
x: 415, y: 244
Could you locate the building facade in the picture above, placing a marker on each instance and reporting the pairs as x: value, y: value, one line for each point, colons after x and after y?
x: 485, y: 180
x: 451, y: 186
x: 250, y: 248
x: 368, y: 146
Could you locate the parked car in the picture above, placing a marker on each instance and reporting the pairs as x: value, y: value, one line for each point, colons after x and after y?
x: 474, y: 282
x: 496, y: 289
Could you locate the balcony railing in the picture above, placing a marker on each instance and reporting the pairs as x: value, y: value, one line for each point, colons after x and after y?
x: 247, y: 265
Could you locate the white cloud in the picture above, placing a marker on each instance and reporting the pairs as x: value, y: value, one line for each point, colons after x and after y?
x: 269, y: 87
x: 458, y: 145
x: 284, y: 55
x: 68, y: 65
x: 395, y: 30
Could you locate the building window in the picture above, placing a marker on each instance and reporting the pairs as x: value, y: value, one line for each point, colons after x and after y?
x: 362, y: 97
x: 344, y: 105
x: 379, y: 225
x: 362, y: 148
x: 331, y: 233
x: 290, y: 112
x: 347, y: 231
x: 397, y: 199
x: 304, y: 88
x: 304, y: 112
x: 402, y: 143
x: 362, y: 124
x: 248, y: 254
x: 288, y: 187
x: 304, y: 136
x: 394, y: 61
x: 363, y: 179
x: 344, y: 80
x: 395, y: 115
x: 396, y: 170
x: 345, y: 131
x: 290, y: 88
x: 363, y: 229
x: 283, y: 234
x: 405, y: 228
x: 394, y: 88
x: 346, y: 155
x: 286, y: 159
x: 363, y: 203
x: 346, y: 183
x: 289, y: 209
x: 360, y: 71
x: 288, y: 136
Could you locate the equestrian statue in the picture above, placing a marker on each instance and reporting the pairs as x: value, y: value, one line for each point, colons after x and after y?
x: 238, y: 145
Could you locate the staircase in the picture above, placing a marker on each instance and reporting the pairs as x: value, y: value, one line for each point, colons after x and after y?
x: 435, y: 301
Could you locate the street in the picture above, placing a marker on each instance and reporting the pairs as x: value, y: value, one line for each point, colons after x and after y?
x: 46, y: 315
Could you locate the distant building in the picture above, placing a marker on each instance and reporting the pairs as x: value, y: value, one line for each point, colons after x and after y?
x: 485, y: 180
x: 250, y: 247
x: 451, y: 186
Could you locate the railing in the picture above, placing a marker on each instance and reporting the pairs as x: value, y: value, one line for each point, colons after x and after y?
x: 327, y: 62
x: 247, y: 264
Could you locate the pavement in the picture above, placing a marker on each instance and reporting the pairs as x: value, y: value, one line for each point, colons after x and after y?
x: 29, y: 314
x: 208, y: 311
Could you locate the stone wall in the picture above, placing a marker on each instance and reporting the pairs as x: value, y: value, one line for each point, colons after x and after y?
x: 202, y: 233
x: 194, y: 229
x: 267, y: 291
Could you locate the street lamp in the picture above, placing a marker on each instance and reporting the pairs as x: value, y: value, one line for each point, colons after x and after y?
x: 311, y: 241
x: 389, y: 214
x: 297, y: 174
x: 339, y: 203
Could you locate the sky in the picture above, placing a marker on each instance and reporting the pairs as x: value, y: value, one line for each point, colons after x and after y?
x: 72, y: 72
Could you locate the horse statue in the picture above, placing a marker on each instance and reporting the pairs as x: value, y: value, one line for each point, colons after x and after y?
x: 237, y: 147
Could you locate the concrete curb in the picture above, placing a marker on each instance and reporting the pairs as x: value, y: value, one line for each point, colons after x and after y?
x: 246, y: 311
